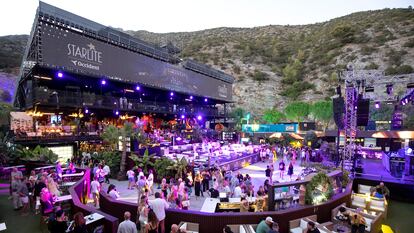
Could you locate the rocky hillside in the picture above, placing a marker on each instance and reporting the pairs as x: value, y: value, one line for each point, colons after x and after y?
x: 277, y: 64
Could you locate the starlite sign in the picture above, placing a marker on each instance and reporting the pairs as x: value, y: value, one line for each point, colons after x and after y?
x: 87, y: 57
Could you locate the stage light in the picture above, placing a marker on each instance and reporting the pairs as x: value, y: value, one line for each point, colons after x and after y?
x: 191, y: 97
x: 86, y: 111
x: 205, y: 100
x: 171, y: 93
x: 103, y: 82
x: 137, y: 88
x: 60, y: 74
x: 389, y: 89
x: 182, y: 116
x: 199, y: 117
x: 116, y: 113
x: 377, y: 105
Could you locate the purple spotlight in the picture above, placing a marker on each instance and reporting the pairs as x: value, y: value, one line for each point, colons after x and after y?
x: 191, y: 97
x: 103, y: 82
x: 199, y: 117
x: 86, y: 111
x: 205, y: 99
x: 171, y: 93
x: 182, y: 116
x: 137, y: 88
x: 377, y: 105
x: 117, y: 113
x: 60, y: 74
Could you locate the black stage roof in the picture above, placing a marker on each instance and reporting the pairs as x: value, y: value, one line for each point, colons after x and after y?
x: 64, y: 41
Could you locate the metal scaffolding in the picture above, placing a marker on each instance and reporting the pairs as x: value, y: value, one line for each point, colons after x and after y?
x: 355, y: 81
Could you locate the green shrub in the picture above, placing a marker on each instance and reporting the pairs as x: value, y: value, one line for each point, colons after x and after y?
x: 260, y: 76
x: 409, y: 43
x: 371, y: 66
x: 344, y: 33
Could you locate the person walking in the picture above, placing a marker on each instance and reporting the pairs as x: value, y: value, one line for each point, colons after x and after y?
x: 197, y: 185
x: 159, y: 205
x: 95, y: 189
x: 150, y: 182
x: 131, y: 178
x: 290, y: 170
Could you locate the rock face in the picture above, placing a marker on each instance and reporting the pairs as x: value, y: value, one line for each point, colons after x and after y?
x: 274, y: 65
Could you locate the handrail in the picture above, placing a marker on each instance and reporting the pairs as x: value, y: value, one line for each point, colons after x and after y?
x: 214, y: 222
x: 77, y: 191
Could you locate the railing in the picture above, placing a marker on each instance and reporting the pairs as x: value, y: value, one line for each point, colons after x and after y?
x: 215, y: 222
x: 79, y: 193
x: 59, y: 99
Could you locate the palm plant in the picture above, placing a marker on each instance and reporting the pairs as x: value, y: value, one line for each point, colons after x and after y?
x: 111, y: 135
x: 126, y: 133
x: 179, y: 167
x: 161, y: 166
x: 143, y: 162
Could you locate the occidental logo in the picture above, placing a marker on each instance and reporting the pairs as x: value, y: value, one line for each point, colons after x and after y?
x: 87, y: 57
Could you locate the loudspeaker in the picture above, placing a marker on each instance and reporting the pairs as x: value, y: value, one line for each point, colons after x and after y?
x: 362, y: 112
x: 338, y: 111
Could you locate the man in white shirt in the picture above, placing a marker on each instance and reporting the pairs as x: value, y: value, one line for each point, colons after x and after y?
x: 127, y: 226
x: 106, y: 171
x: 95, y: 189
x: 237, y: 191
x: 159, y: 205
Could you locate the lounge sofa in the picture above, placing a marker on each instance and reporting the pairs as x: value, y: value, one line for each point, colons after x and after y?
x: 374, y: 222
x: 299, y: 225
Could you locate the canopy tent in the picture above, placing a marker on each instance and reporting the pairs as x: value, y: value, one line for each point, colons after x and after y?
x: 293, y: 135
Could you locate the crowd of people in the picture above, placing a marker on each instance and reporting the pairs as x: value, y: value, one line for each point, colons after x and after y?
x: 40, y: 192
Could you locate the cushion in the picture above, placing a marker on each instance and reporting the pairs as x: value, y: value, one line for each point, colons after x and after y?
x: 368, y: 221
x: 184, y: 226
x: 296, y: 230
x: 241, y: 229
x: 303, y: 224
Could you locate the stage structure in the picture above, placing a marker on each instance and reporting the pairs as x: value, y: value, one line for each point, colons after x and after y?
x: 358, y: 83
x: 74, y: 67
x: 70, y: 56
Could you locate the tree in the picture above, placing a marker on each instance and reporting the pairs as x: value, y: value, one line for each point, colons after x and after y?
x: 238, y: 115
x: 293, y: 72
x: 272, y: 116
x: 322, y: 111
x: 111, y: 135
x: 126, y: 133
x: 144, y: 162
x: 161, y: 167
x: 179, y: 167
x: 297, y: 111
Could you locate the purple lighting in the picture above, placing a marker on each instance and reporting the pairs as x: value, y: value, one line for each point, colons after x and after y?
x: 117, y: 113
x: 377, y: 105
x: 199, y: 117
x: 191, y: 97
x: 171, y: 93
x: 205, y: 100
x: 182, y: 116
x: 60, y: 74
x: 103, y: 82
x: 86, y: 111
x: 137, y: 88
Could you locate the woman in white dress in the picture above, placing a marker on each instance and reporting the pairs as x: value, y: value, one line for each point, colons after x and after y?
x: 150, y: 181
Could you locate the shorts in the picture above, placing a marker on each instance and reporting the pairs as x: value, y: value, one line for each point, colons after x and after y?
x: 24, y: 200
x: 131, y: 179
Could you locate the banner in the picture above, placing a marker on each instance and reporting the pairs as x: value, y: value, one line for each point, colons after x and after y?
x: 74, y: 52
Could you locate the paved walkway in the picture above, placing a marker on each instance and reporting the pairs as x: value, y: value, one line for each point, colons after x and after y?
x: 256, y: 172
